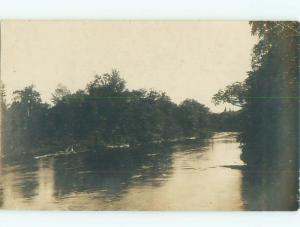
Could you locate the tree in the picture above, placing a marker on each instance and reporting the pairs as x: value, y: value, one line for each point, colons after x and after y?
x: 106, y: 84
x: 26, y: 117
x: 107, y: 96
x: 234, y: 94
x: 193, y: 117
x: 60, y: 92
x: 269, y: 115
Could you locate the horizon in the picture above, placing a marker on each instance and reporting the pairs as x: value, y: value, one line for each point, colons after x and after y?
x: 184, y: 59
x: 50, y: 102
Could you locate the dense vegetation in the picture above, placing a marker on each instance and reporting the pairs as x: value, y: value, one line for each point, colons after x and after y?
x: 269, y: 100
x: 105, y: 113
x: 226, y: 121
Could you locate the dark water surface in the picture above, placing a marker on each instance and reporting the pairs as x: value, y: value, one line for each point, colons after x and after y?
x: 193, y: 176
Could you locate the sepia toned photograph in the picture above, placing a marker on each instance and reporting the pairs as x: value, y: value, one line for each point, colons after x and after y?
x: 149, y: 115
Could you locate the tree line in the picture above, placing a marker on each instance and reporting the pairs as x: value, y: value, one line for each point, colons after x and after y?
x: 226, y: 121
x: 104, y: 113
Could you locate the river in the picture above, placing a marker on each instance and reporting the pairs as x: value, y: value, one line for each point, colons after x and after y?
x: 203, y: 175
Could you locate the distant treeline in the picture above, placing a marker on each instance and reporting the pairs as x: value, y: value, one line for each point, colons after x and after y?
x: 226, y: 121
x: 104, y: 113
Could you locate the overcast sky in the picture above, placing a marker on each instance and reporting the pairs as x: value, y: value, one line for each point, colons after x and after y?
x: 184, y: 59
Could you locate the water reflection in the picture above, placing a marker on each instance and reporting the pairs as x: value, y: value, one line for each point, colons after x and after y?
x: 190, y: 176
x: 111, y: 173
x: 268, y: 190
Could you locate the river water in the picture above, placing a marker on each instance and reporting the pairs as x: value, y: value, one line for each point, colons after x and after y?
x: 203, y: 175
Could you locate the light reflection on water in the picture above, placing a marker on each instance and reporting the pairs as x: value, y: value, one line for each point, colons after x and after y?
x: 181, y: 177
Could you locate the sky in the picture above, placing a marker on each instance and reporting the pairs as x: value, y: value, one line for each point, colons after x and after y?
x: 186, y: 59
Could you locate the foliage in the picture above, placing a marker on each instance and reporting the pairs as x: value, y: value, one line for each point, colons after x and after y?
x: 234, y: 94
x: 60, y: 92
x: 193, y: 117
x: 25, y: 118
x: 269, y: 115
x: 105, y: 113
x: 268, y: 94
x: 226, y: 121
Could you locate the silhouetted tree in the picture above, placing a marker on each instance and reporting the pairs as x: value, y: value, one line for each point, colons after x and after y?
x: 60, y: 92
x: 193, y: 117
x: 26, y: 118
x: 269, y: 115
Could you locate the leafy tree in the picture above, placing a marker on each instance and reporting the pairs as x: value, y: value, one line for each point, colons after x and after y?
x: 234, y: 94
x: 193, y: 117
x: 106, y: 84
x: 269, y: 115
x: 26, y: 118
x: 60, y: 92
